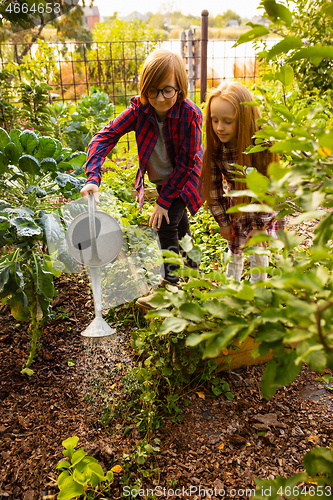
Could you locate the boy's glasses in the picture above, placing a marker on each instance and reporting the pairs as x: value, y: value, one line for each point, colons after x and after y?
x: 168, y: 92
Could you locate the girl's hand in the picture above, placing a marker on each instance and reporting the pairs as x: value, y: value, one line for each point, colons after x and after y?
x: 254, y: 232
x: 226, y: 232
x: 90, y: 188
x: 156, y: 217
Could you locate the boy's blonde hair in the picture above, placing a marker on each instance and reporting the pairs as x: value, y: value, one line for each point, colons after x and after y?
x: 158, y: 65
x: 246, y: 125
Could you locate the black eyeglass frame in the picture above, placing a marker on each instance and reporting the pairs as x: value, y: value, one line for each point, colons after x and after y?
x: 162, y: 91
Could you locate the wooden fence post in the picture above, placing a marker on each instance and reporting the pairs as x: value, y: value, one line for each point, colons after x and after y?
x: 203, y: 65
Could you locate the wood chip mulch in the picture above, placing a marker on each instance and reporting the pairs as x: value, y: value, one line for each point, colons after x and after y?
x: 220, y: 445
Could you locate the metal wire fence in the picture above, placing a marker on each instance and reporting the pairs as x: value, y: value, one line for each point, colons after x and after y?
x: 115, y: 66
x: 72, y: 68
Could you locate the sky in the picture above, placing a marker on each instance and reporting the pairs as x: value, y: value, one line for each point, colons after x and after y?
x: 245, y: 8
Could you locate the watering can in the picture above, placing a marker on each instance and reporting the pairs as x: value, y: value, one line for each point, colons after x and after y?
x: 95, y: 239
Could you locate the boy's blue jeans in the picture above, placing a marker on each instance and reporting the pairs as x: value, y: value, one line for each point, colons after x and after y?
x: 170, y: 234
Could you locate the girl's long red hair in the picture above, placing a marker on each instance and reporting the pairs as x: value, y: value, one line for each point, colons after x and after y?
x: 246, y: 117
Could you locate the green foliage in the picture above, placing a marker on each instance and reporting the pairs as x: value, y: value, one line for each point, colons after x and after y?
x: 8, y: 112
x: 34, y: 109
x: 306, y: 32
x: 121, y: 60
x: 81, y: 475
x: 80, y: 122
x: 166, y: 371
x: 316, y: 482
x: 33, y: 171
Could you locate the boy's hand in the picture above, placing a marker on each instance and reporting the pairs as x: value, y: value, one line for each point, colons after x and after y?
x: 226, y: 232
x: 90, y: 188
x: 156, y: 217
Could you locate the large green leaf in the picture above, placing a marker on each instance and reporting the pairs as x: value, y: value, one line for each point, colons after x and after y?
x: 29, y: 141
x: 285, y: 75
x: 14, y: 135
x: 291, y: 145
x: 44, y: 282
x: 319, y: 461
x: 257, y: 182
x: 77, y: 159
x: 216, y: 308
x: 69, y: 444
x: 25, y: 227
x: 68, y: 487
x: 4, y: 223
x: 12, y: 152
x: 46, y: 148
x: 315, y: 54
x: 278, y: 11
x: 256, y: 32
x: 29, y: 164
x: 288, y: 43
x: 58, y: 148
x: 67, y: 181
x: 191, y: 311
x: 173, y: 325
x: 4, y: 139
x: 221, y: 341
x: 4, y: 277
x: 48, y: 165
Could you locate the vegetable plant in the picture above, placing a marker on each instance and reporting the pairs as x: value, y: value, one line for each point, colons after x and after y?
x: 81, y: 475
x: 90, y: 115
x: 34, y: 172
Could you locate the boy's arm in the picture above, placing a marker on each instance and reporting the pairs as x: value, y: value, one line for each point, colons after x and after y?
x: 105, y: 140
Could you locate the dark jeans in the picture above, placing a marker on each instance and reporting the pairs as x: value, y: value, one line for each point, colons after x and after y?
x: 170, y: 234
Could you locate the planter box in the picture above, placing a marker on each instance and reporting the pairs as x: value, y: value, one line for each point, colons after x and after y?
x: 241, y: 356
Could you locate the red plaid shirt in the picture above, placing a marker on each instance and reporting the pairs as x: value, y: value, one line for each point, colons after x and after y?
x: 242, y: 224
x: 183, y: 141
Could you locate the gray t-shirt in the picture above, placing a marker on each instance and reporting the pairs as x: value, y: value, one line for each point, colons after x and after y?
x: 159, y: 167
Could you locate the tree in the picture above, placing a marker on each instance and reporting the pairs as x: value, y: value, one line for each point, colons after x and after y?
x: 306, y: 43
x: 221, y: 19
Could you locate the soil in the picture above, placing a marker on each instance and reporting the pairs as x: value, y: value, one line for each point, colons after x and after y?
x: 220, y: 443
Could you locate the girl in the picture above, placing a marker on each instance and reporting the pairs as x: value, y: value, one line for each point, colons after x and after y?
x: 230, y: 127
x: 167, y: 126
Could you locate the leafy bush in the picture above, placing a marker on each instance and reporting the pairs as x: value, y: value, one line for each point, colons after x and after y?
x: 34, y: 171
x: 34, y: 109
x: 79, y: 122
x: 306, y: 33
x: 8, y: 112
x: 82, y: 476
x: 122, y: 48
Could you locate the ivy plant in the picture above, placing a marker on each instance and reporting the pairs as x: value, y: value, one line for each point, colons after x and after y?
x: 34, y: 171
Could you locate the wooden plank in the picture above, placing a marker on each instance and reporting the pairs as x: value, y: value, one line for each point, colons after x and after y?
x: 241, y: 356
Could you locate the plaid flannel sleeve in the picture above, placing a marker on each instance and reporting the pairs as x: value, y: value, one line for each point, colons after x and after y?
x: 218, y: 202
x: 105, y: 140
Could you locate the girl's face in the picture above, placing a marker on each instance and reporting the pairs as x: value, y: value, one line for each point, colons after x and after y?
x: 160, y: 103
x: 224, y: 123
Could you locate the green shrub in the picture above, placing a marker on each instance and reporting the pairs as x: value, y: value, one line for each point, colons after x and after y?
x: 34, y: 171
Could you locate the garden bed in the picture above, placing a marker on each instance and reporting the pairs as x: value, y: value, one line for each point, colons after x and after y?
x: 220, y: 444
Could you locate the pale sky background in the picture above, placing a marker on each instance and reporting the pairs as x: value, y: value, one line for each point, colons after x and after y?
x: 245, y: 8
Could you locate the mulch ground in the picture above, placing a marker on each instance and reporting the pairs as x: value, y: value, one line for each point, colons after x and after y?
x: 220, y: 443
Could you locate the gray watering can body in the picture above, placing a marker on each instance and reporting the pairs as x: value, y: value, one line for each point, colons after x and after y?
x: 95, y: 239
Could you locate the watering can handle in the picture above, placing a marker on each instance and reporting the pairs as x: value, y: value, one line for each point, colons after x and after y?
x: 95, y: 260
